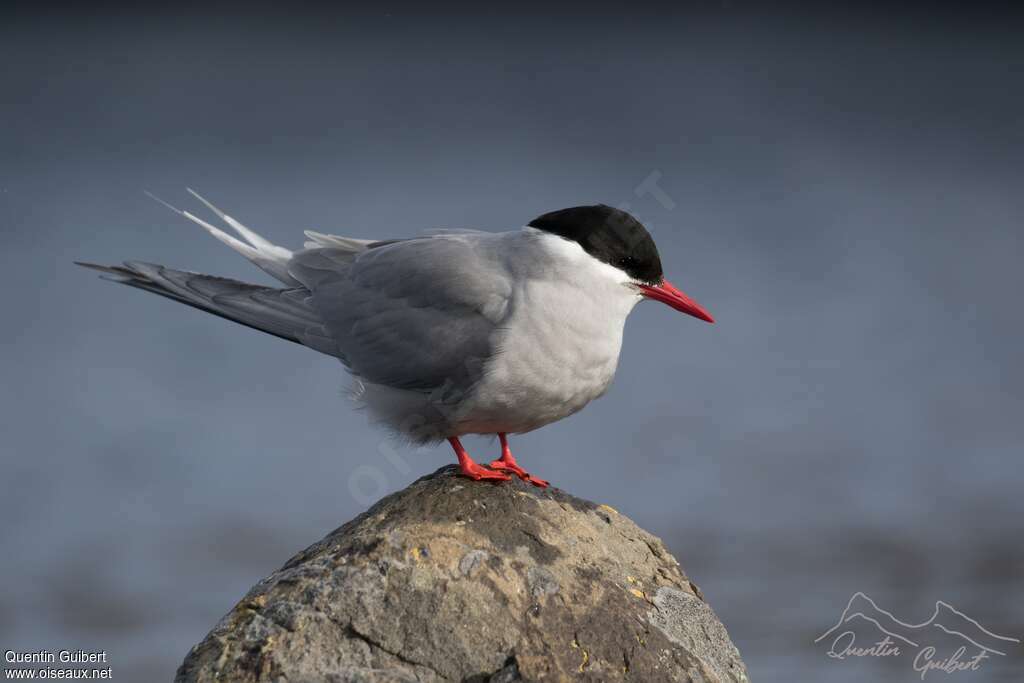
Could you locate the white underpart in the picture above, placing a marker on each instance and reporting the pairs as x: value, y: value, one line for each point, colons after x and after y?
x: 558, y: 321
x: 557, y: 349
x: 560, y: 347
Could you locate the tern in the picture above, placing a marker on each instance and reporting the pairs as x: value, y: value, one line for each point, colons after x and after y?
x: 453, y: 332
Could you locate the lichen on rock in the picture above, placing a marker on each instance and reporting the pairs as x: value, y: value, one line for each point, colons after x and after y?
x: 449, y: 580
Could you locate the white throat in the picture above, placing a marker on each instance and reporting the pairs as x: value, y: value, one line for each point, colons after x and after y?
x: 560, y: 345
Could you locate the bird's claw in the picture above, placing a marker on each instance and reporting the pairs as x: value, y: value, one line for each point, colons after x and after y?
x: 478, y: 473
x: 515, y: 469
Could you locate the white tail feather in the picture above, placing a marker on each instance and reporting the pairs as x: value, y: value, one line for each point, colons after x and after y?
x: 251, y: 237
x: 267, y: 256
x: 318, y: 239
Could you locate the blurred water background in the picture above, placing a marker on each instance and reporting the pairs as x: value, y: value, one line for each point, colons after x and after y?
x: 842, y: 190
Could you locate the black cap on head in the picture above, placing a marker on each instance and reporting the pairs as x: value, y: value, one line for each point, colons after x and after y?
x: 609, y: 235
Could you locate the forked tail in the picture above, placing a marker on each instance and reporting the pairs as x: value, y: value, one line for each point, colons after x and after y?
x: 285, y: 313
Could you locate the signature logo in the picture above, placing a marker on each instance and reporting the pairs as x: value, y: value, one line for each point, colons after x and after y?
x: 948, y: 642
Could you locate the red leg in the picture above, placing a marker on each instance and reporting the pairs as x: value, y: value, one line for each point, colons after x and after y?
x: 470, y: 469
x: 508, y: 463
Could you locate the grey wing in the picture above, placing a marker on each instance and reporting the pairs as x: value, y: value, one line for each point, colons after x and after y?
x: 284, y: 313
x: 415, y: 314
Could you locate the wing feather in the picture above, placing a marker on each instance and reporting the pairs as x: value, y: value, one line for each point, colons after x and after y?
x: 284, y: 313
x: 414, y: 314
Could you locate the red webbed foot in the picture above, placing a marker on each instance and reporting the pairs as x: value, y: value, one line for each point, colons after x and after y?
x: 478, y: 473
x: 515, y: 469
x: 508, y: 463
x: 468, y: 468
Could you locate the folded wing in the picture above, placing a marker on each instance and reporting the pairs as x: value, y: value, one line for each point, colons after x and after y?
x: 418, y: 314
x: 284, y: 313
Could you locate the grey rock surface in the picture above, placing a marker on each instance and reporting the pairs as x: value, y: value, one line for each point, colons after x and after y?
x: 455, y: 580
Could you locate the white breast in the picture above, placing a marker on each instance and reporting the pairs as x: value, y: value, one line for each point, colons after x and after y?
x: 560, y: 345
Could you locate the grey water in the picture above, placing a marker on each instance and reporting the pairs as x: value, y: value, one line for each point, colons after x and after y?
x: 841, y: 190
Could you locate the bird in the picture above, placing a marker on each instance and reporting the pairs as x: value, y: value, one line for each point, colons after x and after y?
x: 451, y: 332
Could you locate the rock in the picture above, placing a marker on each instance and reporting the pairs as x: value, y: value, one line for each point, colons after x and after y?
x: 455, y: 580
